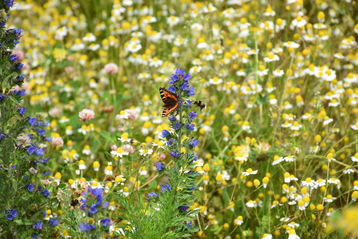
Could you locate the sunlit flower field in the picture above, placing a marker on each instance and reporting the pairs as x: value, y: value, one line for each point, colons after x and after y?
x: 261, y: 142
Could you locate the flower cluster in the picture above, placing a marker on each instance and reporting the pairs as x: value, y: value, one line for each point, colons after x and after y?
x: 23, y: 143
x: 91, y: 202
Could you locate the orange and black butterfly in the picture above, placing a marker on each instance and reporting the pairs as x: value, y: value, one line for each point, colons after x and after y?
x: 170, y: 100
x: 199, y: 104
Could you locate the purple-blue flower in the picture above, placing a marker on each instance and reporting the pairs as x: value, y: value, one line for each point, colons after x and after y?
x: 175, y: 154
x: 9, y: 3
x: 86, y: 227
x: 183, y: 208
x: 11, y: 214
x: 170, y: 142
x: 192, y: 115
x: 22, y: 111
x: 2, y: 136
x: 172, y: 118
x: 179, y: 71
x: 165, y: 133
x: 174, y: 78
x: 194, y: 143
x: 53, y: 222
x: 19, y: 66
x: 13, y: 58
x: 165, y: 187
x: 32, y: 121
x: 46, y: 193
x: 30, y: 187
x: 31, y: 149
x: 2, y: 97
x: 93, y: 209
x: 106, y: 222
x: 190, y: 127
x: 41, y: 131
x: 160, y: 166
x: 152, y: 195
x: 98, y: 192
x: 184, y: 86
x: 20, y: 92
x: 38, y: 225
x: 177, y: 126
x: 20, y: 78
x: 172, y: 89
x: 40, y: 151
x: 191, y: 91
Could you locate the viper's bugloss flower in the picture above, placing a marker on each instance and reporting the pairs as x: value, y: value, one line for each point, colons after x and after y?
x: 45, y: 161
x: 165, y: 133
x: 11, y: 214
x: 160, y: 166
x: 93, y: 209
x: 183, y: 208
x: 14, y: 58
x: 172, y: 118
x: 41, y: 131
x: 22, y: 111
x: 165, y: 187
x: 192, y: 115
x: 38, y: 225
x: 32, y: 121
x: 175, y: 154
x: 2, y: 97
x: 19, y: 66
x: 152, y: 195
x: 98, y: 192
x: 53, y: 222
x: 170, y: 142
x: 190, y: 127
x: 190, y: 224
x: 86, y: 227
x: 20, y: 92
x: 20, y: 78
x: 191, y: 91
x: 2, y: 136
x: 177, y: 126
x: 17, y: 33
x: 194, y: 143
x: 187, y: 77
x: 9, y: 3
x: 106, y: 222
x: 185, y: 86
x: 40, y: 151
x: 179, y: 71
x: 174, y: 78
x: 172, y: 89
x: 30, y: 187
x: 46, y: 192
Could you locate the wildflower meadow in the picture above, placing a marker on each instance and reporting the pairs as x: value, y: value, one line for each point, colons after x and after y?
x: 163, y: 119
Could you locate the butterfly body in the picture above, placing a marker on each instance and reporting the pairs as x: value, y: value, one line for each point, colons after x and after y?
x: 170, y: 100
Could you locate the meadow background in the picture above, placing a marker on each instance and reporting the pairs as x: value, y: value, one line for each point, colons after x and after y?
x: 278, y: 137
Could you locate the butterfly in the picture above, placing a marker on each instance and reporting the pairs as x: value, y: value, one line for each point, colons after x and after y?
x: 170, y: 100
x: 199, y: 104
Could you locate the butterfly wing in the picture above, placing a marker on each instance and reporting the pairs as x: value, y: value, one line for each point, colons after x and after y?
x: 170, y: 100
